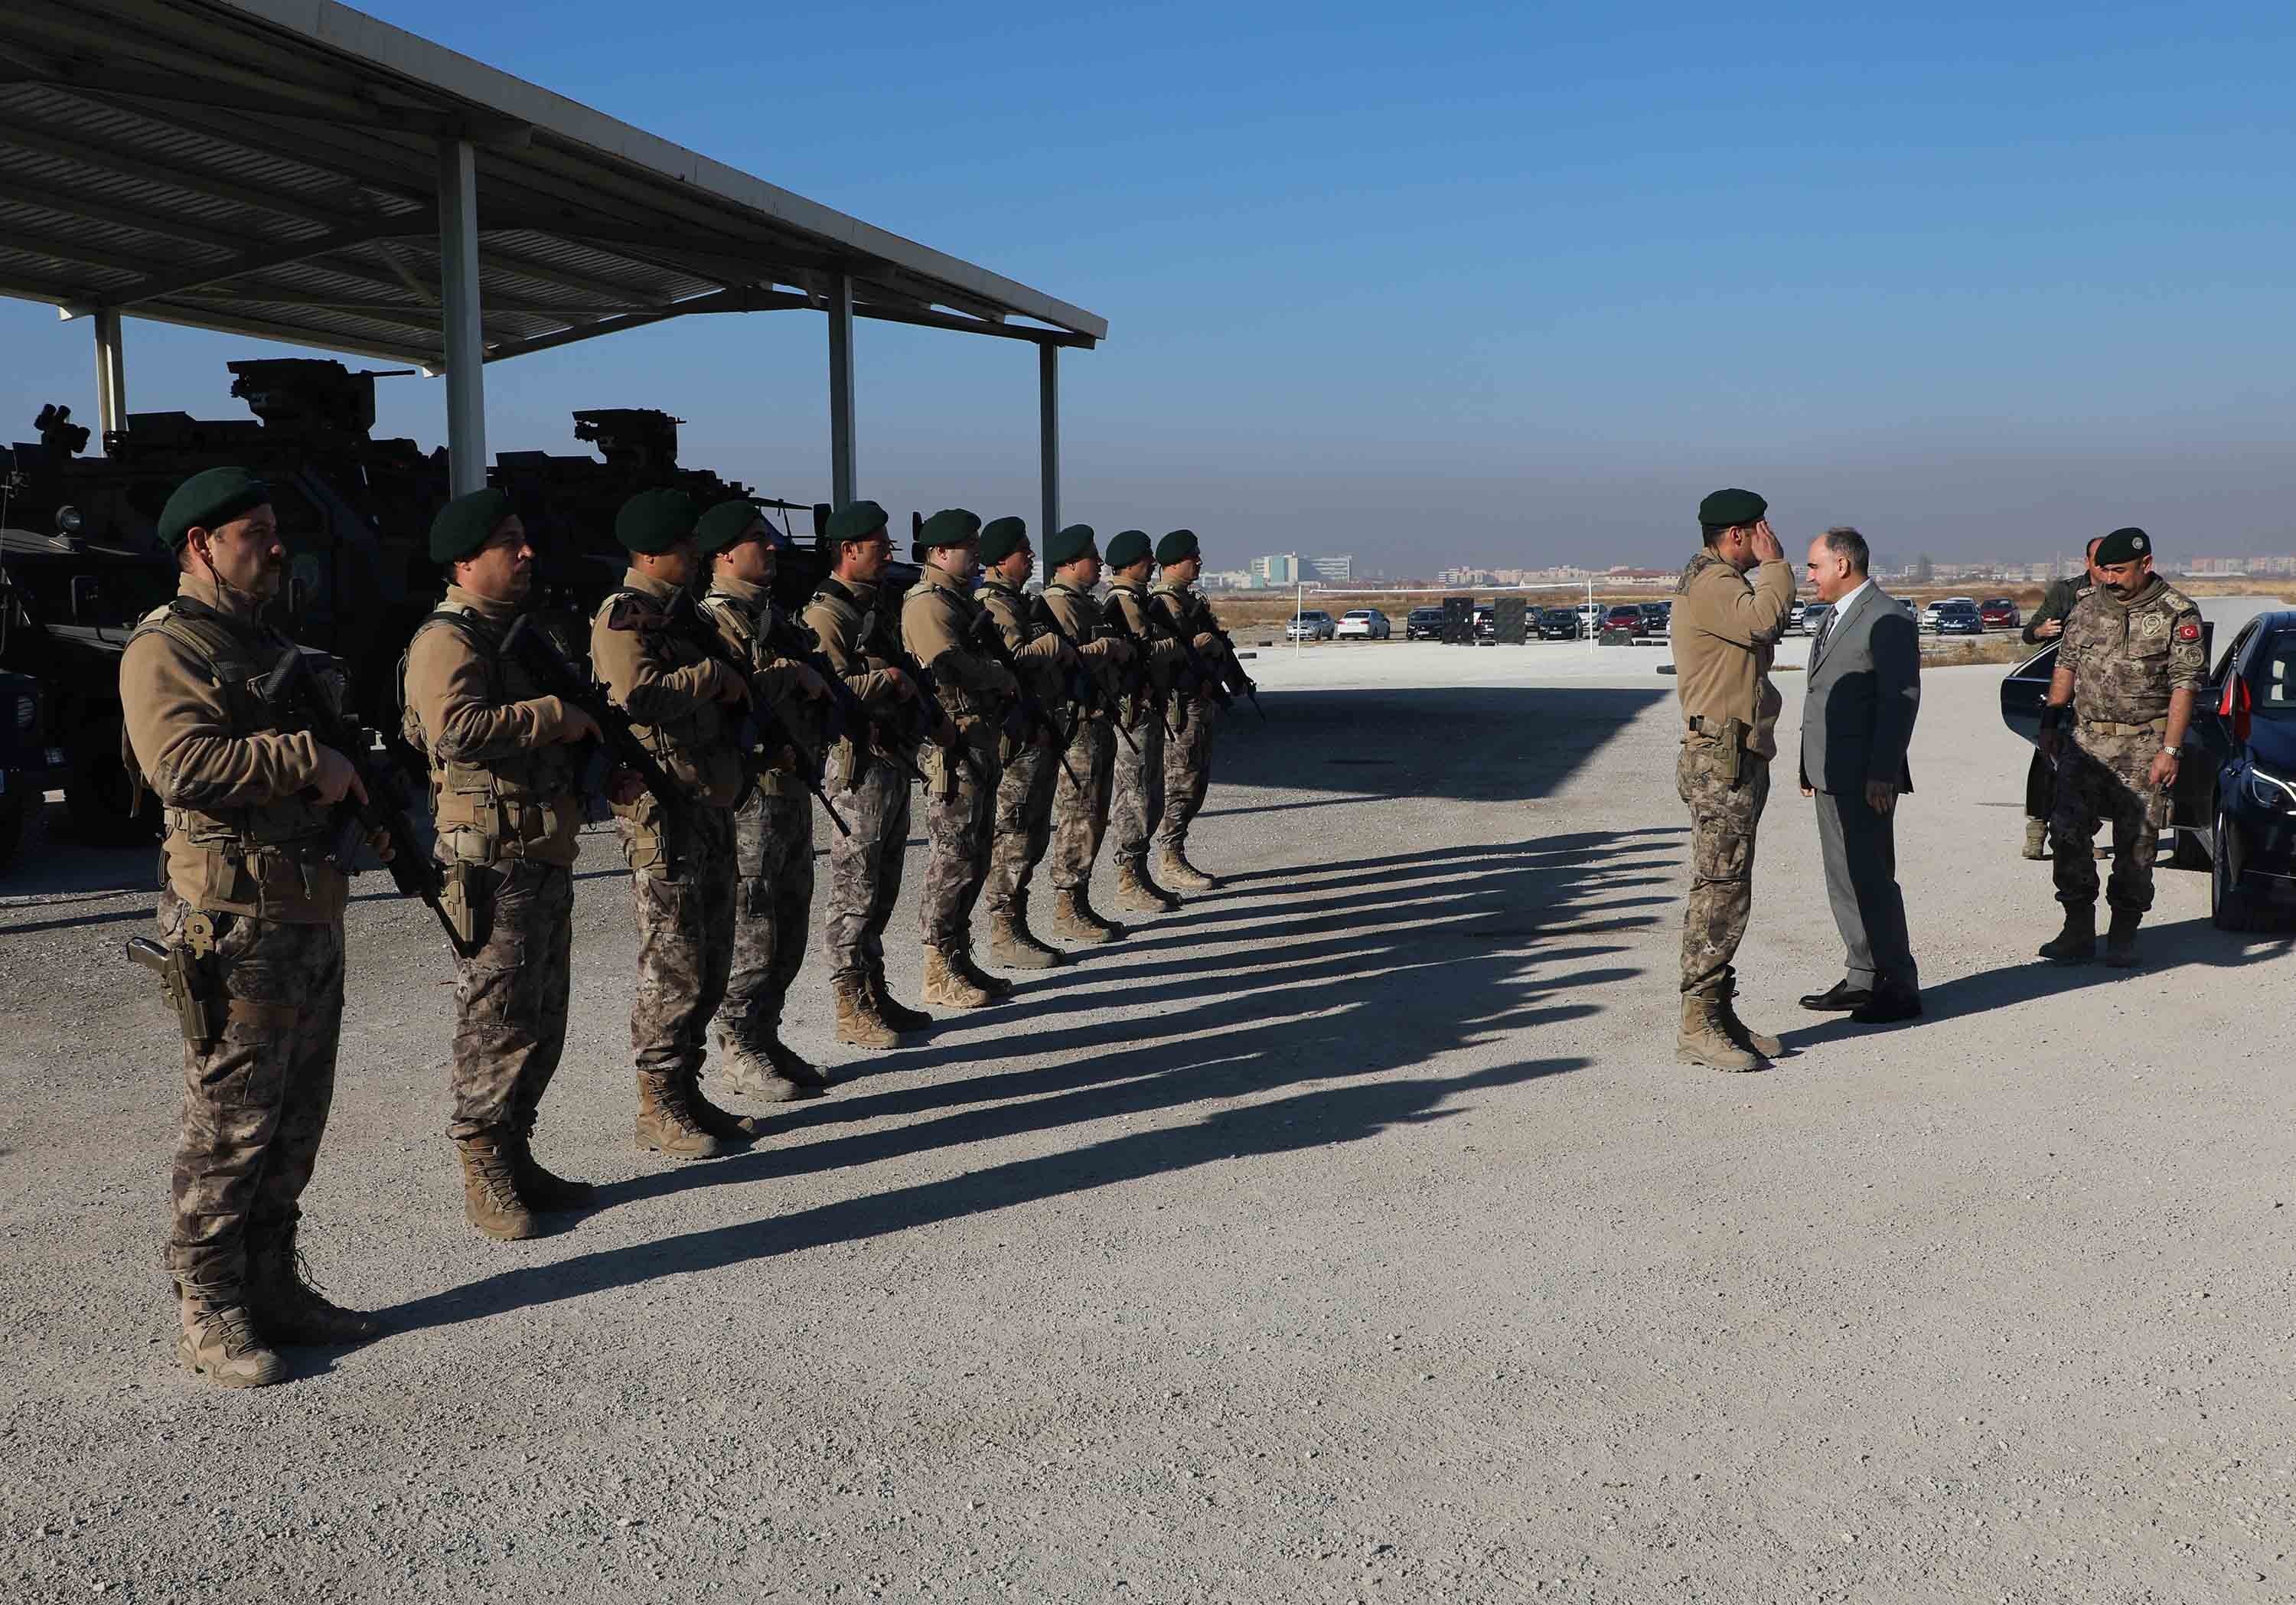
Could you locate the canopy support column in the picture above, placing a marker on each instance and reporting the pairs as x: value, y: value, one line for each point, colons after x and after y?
x: 1048, y: 435
x: 111, y: 373
x: 458, y: 305
x: 841, y: 389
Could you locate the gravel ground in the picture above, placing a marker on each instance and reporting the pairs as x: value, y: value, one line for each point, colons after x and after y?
x: 1351, y: 1236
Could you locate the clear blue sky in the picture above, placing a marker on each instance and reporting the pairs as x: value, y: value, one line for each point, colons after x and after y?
x: 1505, y: 283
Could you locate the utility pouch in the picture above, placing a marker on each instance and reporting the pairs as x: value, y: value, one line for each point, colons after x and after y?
x: 1734, y: 732
x: 467, y: 899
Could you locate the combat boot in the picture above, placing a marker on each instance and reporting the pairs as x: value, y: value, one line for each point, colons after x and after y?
x: 220, y: 1343
x: 796, y: 1066
x: 1073, y: 918
x: 732, y: 1129
x: 754, y: 1076
x: 995, y: 986
x: 857, y: 1019
x: 2076, y: 943
x: 2120, y: 938
x: 665, y: 1123
x: 897, y: 1015
x: 541, y: 1188
x: 1136, y: 894
x: 1176, y: 870
x: 946, y: 987
x: 1704, y: 1040
x: 287, y: 1307
x: 1011, y: 944
x: 1726, y: 1013
x: 490, y: 1189
x: 2037, y: 839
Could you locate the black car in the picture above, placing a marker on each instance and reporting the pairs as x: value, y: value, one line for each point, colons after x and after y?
x: 1425, y: 624
x: 1960, y: 618
x: 2232, y: 811
x: 1558, y: 624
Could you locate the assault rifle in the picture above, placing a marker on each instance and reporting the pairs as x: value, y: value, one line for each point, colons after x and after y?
x: 928, y: 688
x: 1034, y: 715
x: 785, y: 637
x: 1144, y: 673
x: 762, y: 729
x: 1090, y: 695
x: 291, y: 688
x: 1230, y: 670
x: 531, y: 646
x: 1221, y: 684
x: 1208, y: 682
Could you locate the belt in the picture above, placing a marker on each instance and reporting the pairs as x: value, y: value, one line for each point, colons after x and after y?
x: 2107, y: 727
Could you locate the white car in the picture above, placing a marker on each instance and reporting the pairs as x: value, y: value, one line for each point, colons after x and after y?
x: 1929, y: 613
x: 1363, y: 624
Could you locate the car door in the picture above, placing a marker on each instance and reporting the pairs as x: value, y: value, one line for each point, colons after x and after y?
x: 2208, y: 743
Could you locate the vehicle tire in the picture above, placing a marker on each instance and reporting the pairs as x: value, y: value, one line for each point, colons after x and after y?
x: 2230, y: 905
x: 15, y: 807
x: 96, y: 792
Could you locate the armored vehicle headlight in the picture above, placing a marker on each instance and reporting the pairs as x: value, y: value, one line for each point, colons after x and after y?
x: 26, y: 711
x: 68, y: 519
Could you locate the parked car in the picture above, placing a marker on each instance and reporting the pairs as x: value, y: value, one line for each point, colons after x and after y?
x: 1658, y: 618
x: 1424, y: 624
x: 1814, y: 616
x: 1623, y: 616
x: 1362, y: 623
x: 1311, y: 624
x: 1959, y: 618
x: 1590, y: 617
x: 1557, y: 624
x: 2001, y: 613
x: 1487, y: 623
x: 1929, y: 613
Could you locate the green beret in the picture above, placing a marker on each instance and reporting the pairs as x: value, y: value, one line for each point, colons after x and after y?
x: 467, y: 523
x: 2123, y: 546
x: 652, y: 522
x: 1000, y: 538
x: 1127, y: 548
x: 1728, y: 509
x: 723, y: 526
x: 212, y: 497
x: 856, y: 521
x: 1070, y: 545
x: 950, y: 526
x: 1177, y: 547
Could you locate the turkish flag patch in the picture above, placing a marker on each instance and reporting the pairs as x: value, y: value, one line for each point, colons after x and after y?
x: 2188, y: 632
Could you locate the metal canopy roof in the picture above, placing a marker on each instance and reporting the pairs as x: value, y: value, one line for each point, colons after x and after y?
x: 272, y: 168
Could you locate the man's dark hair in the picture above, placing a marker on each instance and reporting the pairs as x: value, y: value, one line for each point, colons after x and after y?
x: 1846, y: 543
x: 1715, y: 532
x: 2094, y: 541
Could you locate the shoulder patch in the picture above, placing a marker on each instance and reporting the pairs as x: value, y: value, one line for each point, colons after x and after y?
x: 2188, y: 631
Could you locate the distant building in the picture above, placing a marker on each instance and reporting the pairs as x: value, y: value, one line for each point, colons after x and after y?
x: 1226, y: 579
x: 1330, y: 570
x: 1280, y: 570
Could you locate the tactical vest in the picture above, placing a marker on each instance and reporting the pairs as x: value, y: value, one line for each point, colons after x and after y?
x: 965, y: 706
x: 735, y: 618
x: 1140, y: 624
x: 511, y: 806
x: 1175, y: 623
x: 696, y: 748
x: 269, y: 860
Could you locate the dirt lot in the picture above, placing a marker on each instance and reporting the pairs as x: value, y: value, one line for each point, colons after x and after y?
x: 1351, y: 1236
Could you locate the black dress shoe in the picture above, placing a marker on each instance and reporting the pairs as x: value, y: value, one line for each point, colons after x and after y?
x: 1887, y: 1008
x: 1844, y: 997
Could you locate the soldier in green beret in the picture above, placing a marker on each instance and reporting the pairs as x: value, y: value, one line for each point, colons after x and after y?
x: 1136, y: 778
x: 1188, y: 750
x: 251, y: 909
x: 1023, y: 826
x: 681, y: 702
x: 505, y: 791
x: 1080, y: 809
x: 2130, y: 666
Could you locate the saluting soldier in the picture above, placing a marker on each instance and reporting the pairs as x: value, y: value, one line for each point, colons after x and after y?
x: 773, y: 828
x: 1726, y: 634
x: 1136, y: 784
x: 1188, y: 752
x: 939, y: 617
x: 1080, y: 813
x: 681, y: 703
x: 504, y: 788
x: 869, y: 773
x: 2046, y: 623
x: 251, y: 909
x: 1023, y: 823
x: 2129, y: 663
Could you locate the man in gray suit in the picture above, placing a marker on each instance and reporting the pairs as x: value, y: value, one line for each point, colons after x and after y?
x: 1863, y: 689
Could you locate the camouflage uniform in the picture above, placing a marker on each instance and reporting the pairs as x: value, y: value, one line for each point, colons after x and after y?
x: 1081, y: 814
x: 869, y: 781
x: 938, y: 619
x: 1188, y: 749
x: 681, y: 867
x: 1023, y: 823
x: 2126, y: 658
x: 1136, y: 782
x: 773, y: 841
x: 2041, y: 775
x: 1723, y: 817
x: 250, y: 890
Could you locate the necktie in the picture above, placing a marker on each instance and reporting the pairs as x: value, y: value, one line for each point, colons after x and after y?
x: 1824, y: 628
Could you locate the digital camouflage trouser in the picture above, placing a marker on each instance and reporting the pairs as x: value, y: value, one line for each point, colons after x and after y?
x: 1136, y: 789
x: 1187, y: 766
x: 255, y: 1104
x: 1080, y: 807
x: 1722, y: 820
x: 685, y: 937
x: 865, y: 869
x: 509, y: 1001
x: 773, y: 899
x: 2100, y: 777
x: 1024, y: 821
x: 958, y: 819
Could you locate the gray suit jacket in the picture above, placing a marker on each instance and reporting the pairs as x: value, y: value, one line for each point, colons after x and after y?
x: 1863, y: 692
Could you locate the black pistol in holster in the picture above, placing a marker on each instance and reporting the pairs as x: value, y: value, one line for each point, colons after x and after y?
x: 188, y: 979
